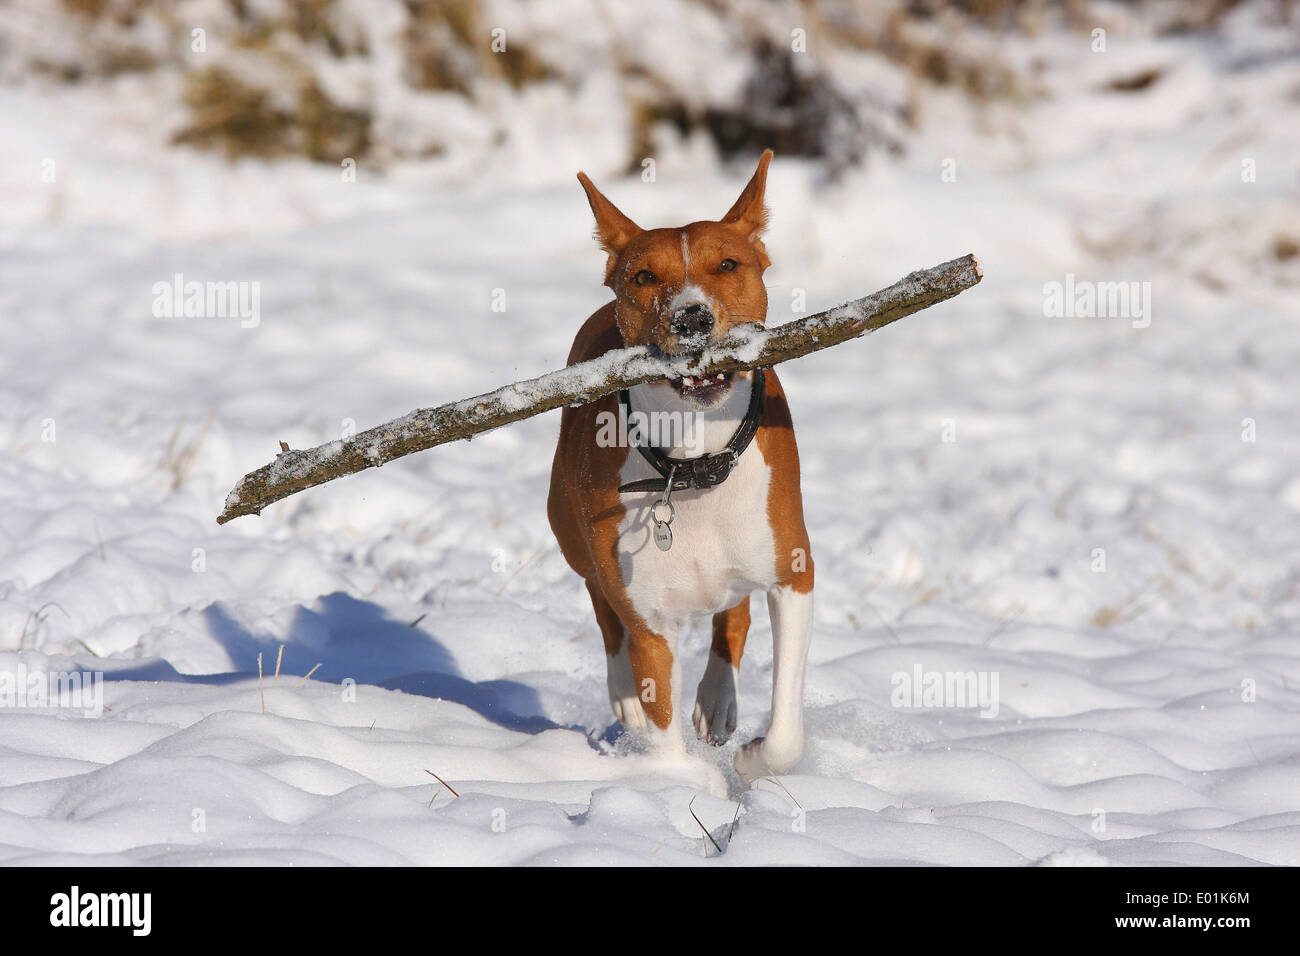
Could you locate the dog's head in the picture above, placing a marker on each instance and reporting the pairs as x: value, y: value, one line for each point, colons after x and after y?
x: 682, y: 289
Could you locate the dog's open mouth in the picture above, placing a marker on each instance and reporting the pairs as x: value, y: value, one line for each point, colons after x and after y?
x: 701, y: 388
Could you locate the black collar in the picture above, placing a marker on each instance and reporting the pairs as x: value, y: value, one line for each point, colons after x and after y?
x: 706, y: 471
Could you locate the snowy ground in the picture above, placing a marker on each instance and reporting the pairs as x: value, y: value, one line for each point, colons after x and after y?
x: 1149, y: 712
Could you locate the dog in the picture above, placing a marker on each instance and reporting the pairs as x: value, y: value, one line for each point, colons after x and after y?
x: 656, y: 558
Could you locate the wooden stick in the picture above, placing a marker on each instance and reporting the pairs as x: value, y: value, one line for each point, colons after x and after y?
x: 745, y: 348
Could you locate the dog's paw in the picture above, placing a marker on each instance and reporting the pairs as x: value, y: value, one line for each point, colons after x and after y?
x: 715, y: 722
x: 622, y: 692
x: 716, y: 704
x: 629, y: 712
x: 762, y: 758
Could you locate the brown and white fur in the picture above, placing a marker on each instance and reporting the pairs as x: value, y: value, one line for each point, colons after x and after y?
x: 744, y: 535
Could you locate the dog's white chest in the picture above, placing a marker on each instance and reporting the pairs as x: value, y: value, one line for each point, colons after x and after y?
x: 722, y: 543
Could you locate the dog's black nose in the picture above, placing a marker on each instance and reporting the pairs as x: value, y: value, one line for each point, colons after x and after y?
x: 692, y: 320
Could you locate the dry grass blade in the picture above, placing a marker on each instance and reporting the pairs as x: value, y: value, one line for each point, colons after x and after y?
x: 443, y: 782
x: 39, y: 615
x: 307, y: 676
x: 734, y: 820
x: 783, y: 787
x: 691, y: 809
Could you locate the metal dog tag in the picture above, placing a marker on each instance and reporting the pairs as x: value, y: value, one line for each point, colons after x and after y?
x: 663, y: 535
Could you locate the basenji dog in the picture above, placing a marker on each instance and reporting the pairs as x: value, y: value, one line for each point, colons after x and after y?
x: 665, y: 534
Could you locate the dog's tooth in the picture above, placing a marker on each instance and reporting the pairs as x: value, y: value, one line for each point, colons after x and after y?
x: 719, y: 376
x: 688, y: 381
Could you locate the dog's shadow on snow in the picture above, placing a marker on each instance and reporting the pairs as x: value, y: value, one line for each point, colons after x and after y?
x: 357, y: 639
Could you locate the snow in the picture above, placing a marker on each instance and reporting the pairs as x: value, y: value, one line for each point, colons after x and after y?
x: 1148, y: 712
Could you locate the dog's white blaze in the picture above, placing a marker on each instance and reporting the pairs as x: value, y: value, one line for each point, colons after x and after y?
x: 690, y: 294
x: 723, y: 545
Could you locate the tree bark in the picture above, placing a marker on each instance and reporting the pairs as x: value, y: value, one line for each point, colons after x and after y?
x: 746, y: 348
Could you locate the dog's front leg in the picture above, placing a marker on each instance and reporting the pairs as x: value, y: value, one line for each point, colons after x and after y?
x: 782, y: 746
x: 656, y: 677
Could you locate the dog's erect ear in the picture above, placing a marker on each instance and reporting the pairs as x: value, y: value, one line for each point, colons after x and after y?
x: 749, y: 210
x: 613, y: 229
x: 749, y: 214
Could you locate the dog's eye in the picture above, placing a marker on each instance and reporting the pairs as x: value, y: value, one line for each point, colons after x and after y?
x: 728, y: 265
x: 644, y: 277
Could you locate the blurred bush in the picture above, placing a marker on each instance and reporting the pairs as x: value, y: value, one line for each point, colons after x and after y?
x: 395, y: 80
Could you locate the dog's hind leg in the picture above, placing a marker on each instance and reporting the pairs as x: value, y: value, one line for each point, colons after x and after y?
x: 717, y: 700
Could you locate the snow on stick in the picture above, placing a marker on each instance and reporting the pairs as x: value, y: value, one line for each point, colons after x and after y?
x: 747, y: 347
